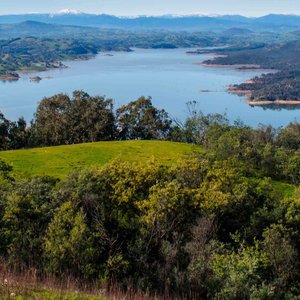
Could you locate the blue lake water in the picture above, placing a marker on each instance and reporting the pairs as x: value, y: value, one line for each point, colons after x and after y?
x: 170, y: 77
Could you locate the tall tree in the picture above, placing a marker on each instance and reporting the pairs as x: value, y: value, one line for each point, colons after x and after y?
x: 64, y: 120
x: 141, y: 120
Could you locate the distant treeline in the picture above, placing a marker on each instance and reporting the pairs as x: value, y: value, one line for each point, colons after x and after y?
x: 64, y: 120
x: 221, y: 224
x: 61, y: 120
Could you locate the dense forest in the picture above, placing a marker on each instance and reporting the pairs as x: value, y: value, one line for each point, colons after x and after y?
x: 222, y: 223
x: 283, y: 84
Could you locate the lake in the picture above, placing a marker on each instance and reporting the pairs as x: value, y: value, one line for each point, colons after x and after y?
x: 170, y: 77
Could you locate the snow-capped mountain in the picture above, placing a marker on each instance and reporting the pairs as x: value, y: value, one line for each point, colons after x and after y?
x: 195, y: 22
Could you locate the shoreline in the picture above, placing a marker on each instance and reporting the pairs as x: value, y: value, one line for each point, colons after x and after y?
x: 239, y: 67
x: 60, y: 66
x: 247, y: 94
x: 276, y: 102
x: 9, y: 78
x: 108, y: 53
x: 32, y: 71
x: 29, y: 71
x: 231, y: 66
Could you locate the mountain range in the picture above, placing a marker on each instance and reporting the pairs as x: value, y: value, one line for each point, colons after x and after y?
x: 39, y: 29
x: 271, y: 22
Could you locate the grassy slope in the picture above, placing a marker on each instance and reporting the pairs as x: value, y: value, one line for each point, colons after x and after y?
x: 60, y: 161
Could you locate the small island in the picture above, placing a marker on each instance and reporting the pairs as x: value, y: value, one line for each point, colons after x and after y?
x: 36, y: 78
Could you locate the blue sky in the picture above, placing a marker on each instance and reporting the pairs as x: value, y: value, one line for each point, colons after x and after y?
x: 154, y: 7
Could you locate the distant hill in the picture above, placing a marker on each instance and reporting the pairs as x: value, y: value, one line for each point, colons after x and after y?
x: 237, y: 32
x: 279, y: 20
x: 34, y: 28
x: 169, y: 22
x: 296, y: 33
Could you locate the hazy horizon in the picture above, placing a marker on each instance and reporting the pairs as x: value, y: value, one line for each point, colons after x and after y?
x: 253, y: 8
x: 64, y: 11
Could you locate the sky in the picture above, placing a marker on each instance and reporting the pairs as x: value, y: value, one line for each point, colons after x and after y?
x: 154, y: 7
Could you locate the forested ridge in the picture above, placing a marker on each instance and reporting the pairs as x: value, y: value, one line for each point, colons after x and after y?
x: 222, y: 223
x: 283, y: 58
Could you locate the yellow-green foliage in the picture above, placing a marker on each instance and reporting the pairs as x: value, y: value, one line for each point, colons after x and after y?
x: 61, y: 160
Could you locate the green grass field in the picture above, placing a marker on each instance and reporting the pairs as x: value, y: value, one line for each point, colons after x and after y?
x: 61, y: 160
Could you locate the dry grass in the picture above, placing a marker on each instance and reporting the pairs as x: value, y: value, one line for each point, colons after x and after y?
x: 27, y: 285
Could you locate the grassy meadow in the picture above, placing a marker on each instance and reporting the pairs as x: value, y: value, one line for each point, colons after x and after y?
x: 59, y: 161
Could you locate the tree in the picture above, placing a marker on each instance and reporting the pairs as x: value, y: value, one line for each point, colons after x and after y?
x: 64, y: 120
x: 289, y: 137
x: 28, y: 210
x: 66, y: 243
x: 240, y: 275
x: 281, y: 253
x: 141, y: 120
x: 90, y: 119
x: 4, y: 132
x: 50, y: 125
x: 19, y: 134
x: 197, y: 124
x: 292, y: 169
x: 5, y: 170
